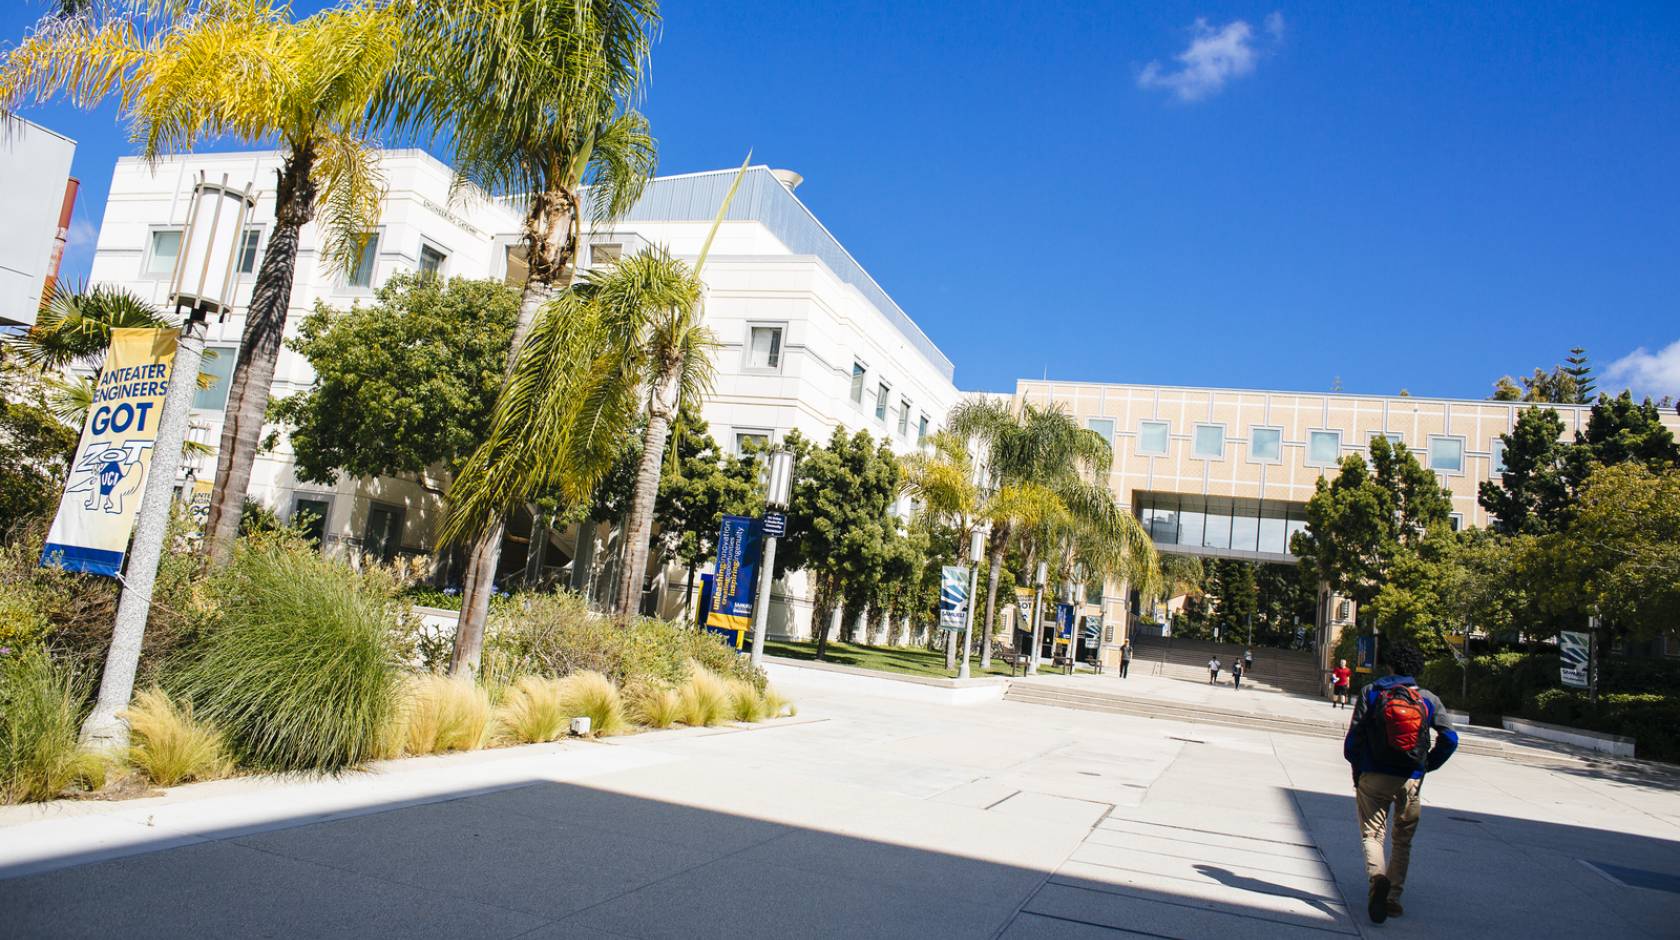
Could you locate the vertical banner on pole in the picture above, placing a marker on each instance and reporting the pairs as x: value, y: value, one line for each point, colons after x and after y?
x: 1365, y: 654
x: 1573, y: 651
x: 1064, y: 623
x: 102, y: 497
x: 953, y: 597
x: 739, y: 544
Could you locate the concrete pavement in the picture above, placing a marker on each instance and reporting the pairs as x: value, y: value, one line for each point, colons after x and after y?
x: 864, y: 816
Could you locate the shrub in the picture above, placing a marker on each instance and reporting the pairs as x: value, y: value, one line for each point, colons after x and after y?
x: 776, y: 707
x: 745, y: 702
x: 531, y: 711
x: 171, y: 746
x: 591, y: 695
x: 704, y: 699
x: 444, y: 714
x: 1652, y: 720
x: 41, y: 710
x: 299, y: 673
x: 556, y: 635
x: 653, y: 705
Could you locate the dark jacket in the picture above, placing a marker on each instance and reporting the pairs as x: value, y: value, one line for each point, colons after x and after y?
x: 1358, y: 750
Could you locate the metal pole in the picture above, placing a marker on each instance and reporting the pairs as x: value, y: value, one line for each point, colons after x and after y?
x: 1038, y: 624
x: 968, y: 624
x: 761, y: 604
x: 103, y: 730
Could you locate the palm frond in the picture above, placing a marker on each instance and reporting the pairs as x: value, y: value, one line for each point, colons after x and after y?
x: 352, y: 187
x: 75, y: 325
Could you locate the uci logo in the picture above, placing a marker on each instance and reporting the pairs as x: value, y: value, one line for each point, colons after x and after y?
x: 109, y: 474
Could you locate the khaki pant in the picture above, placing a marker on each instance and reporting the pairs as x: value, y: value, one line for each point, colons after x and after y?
x: 1377, y: 793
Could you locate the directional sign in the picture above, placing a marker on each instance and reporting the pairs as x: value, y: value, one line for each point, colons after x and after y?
x: 775, y: 523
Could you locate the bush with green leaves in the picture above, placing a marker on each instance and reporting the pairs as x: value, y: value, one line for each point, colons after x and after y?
x: 42, y: 703
x: 1652, y: 720
x: 301, y: 673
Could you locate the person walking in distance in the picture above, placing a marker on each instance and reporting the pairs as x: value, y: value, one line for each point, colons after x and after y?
x: 1248, y: 660
x: 1125, y: 658
x: 1213, y: 670
x: 1388, y: 746
x: 1236, y: 673
x: 1340, y: 678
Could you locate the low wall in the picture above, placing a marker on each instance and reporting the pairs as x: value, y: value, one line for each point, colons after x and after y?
x: 1612, y: 744
x: 846, y: 679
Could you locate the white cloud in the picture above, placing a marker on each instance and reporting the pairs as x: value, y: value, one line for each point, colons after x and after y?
x: 1646, y: 373
x: 81, y: 233
x: 1214, y: 57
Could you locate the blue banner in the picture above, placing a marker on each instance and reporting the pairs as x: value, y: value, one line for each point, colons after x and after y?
x: 953, y: 597
x: 738, y: 549
x: 1365, y: 654
x: 1064, y: 623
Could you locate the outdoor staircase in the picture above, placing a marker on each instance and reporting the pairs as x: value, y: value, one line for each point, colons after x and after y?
x: 1274, y: 670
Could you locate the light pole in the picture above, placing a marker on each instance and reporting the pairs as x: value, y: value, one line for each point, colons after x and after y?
x: 1043, y: 574
x: 202, y: 284
x: 778, y: 489
x: 976, y: 551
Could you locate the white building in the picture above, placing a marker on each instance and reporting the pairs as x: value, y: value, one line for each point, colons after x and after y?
x: 36, y: 189
x: 810, y: 340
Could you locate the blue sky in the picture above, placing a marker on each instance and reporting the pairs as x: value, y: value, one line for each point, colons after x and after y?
x: 1255, y: 195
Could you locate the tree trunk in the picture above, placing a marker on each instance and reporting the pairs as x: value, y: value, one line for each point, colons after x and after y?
x: 475, y: 603
x: 822, y: 614
x: 259, y: 349
x: 639, y: 530
x: 991, y: 606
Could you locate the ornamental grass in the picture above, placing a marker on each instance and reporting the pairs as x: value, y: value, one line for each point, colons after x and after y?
x: 169, y: 745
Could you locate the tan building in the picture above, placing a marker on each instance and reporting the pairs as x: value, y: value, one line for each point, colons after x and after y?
x: 1227, y: 472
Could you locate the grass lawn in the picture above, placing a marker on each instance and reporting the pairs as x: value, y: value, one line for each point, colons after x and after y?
x: 912, y: 660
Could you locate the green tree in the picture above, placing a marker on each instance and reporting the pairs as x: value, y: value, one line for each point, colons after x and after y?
x: 187, y: 71
x: 1579, y: 369
x: 1620, y: 430
x: 402, y: 385
x: 36, y: 450
x: 1506, y: 389
x: 840, y: 522
x: 1533, y: 494
x: 1620, y: 554
x: 74, y: 327
x: 700, y: 485
x: 533, y: 98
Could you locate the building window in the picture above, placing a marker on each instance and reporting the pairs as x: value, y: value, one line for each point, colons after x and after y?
x: 1446, y: 454
x: 921, y: 429
x: 518, y: 267
x: 857, y: 383
x: 1324, y: 448
x: 1210, y: 441
x: 1456, y: 520
x: 309, y: 515
x: 764, y: 348
x: 248, y: 250
x: 1344, y: 612
x: 903, y: 417
x: 1152, y: 438
x: 751, y: 442
x: 1498, y: 455
x: 383, y: 536
x: 1103, y: 426
x: 218, y: 366
x: 882, y: 391
x: 1394, y: 437
x: 361, y: 273
x: 605, y: 253
x: 1265, y: 444
x: 431, y: 261
x: 164, y: 249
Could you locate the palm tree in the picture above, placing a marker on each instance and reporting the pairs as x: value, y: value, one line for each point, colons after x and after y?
x: 532, y: 96
x: 1050, y: 499
x: 74, y: 326
x: 186, y: 71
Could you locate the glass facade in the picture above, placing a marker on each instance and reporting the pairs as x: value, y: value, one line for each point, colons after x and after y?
x: 1210, y: 441
x: 1152, y: 438
x: 1221, y: 523
x: 1265, y: 444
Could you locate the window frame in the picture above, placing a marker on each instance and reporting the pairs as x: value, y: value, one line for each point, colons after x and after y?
x: 1166, y: 438
x: 370, y: 251
x: 1196, y: 440
x: 151, y: 252
x: 1313, y: 461
x: 883, y: 398
x: 304, y: 496
x: 443, y: 254
x: 780, y: 348
x: 401, y: 514
x: 858, y: 380
x: 1463, y: 450
x: 1255, y: 458
x: 232, y: 354
x: 736, y: 433
x: 1113, y: 428
x: 1496, y: 458
x: 922, y: 428
x: 596, y: 246
x: 256, y: 252
x: 903, y: 417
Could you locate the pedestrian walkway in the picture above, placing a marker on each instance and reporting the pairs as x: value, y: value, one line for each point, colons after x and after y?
x: 863, y: 816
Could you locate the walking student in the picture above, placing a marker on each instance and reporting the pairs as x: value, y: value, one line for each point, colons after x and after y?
x: 1248, y: 660
x: 1236, y: 673
x: 1388, y: 746
x: 1340, y: 677
x: 1125, y: 658
x: 1213, y: 670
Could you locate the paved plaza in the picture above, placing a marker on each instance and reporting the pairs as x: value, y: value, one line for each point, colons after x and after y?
x: 863, y: 816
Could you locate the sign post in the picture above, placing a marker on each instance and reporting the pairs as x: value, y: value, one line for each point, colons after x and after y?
x: 778, y: 491
x: 1575, y: 659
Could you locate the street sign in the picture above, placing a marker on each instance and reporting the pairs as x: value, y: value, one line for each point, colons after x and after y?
x: 775, y: 523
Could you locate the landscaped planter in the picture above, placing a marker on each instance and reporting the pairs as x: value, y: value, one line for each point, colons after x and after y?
x: 1612, y: 744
